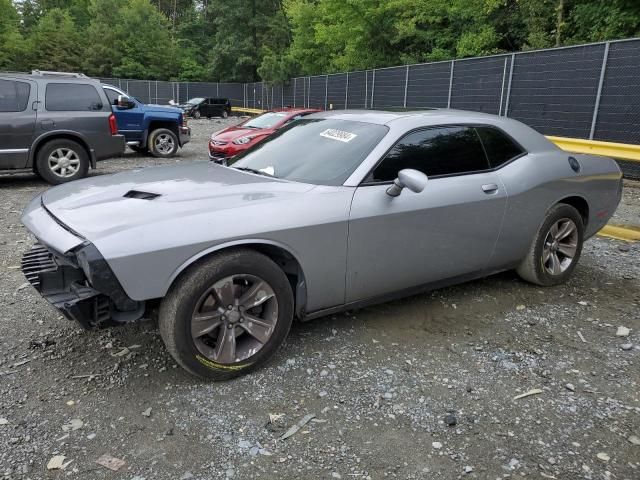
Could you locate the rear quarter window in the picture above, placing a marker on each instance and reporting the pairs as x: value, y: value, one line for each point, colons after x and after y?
x: 14, y: 96
x: 71, y: 97
x: 499, y: 146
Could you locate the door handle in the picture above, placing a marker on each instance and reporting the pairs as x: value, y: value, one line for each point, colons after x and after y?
x: 490, y: 188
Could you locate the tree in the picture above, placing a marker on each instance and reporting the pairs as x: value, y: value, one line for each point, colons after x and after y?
x: 102, y: 53
x: 144, y: 42
x: 54, y: 43
x: 244, y: 29
x: 11, y: 41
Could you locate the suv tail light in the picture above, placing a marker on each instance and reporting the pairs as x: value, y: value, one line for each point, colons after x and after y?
x: 113, y: 125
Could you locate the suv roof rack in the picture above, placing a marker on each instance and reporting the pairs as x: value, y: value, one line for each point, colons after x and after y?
x: 58, y: 74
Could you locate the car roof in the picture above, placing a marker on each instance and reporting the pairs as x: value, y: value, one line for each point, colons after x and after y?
x: 405, y: 121
x: 293, y: 110
x: 434, y: 116
x: 50, y: 77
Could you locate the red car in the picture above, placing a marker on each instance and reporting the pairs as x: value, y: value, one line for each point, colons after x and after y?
x: 233, y: 140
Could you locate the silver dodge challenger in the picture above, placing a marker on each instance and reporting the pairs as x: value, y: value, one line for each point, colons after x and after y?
x: 337, y: 210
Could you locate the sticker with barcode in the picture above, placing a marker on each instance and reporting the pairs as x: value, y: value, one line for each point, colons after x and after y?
x: 339, y: 135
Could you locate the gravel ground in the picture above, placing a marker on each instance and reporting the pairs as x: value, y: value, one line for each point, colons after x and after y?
x: 419, y: 388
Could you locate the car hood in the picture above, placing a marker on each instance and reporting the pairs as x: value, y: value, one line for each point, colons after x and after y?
x: 231, y: 133
x: 104, y: 205
x: 162, y: 109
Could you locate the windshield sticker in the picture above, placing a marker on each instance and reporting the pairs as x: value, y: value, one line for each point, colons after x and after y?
x: 339, y: 135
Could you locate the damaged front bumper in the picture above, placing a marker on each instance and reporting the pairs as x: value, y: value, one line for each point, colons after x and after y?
x: 72, y: 275
x: 81, y: 285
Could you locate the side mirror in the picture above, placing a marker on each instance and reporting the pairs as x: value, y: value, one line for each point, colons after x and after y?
x: 409, y: 178
x: 125, y: 102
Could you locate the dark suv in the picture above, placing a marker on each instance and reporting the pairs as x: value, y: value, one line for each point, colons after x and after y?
x: 55, y: 124
x: 207, y: 107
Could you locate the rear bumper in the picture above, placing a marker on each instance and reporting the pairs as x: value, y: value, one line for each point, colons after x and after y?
x: 111, y: 146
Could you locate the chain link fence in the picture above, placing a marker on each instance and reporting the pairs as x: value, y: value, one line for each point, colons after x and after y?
x: 584, y: 91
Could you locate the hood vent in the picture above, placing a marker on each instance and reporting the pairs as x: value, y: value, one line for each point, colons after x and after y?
x: 141, y: 195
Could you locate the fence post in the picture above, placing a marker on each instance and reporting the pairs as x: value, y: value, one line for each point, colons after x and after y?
x: 156, y: 91
x: 406, y: 86
x: 346, y: 93
x: 453, y: 62
x: 506, y: 105
x: 504, y: 77
x: 326, y: 90
x: 373, y: 86
x: 295, y: 86
x: 596, y: 107
x: 282, y: 95
x: 366, y: 87
x: 149, y: 91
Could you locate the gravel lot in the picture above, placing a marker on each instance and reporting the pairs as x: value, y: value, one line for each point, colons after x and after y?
x: 418, y: 388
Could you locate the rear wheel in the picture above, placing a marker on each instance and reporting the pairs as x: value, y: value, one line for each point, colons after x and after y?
x: 225, y: 114
x: 163, y: 143
x: 556, y: 248
x: 62, y: 160
x: 197, y: 114
x: 227, y: 315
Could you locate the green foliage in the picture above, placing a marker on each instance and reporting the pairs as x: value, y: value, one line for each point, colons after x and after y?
x: 248, y: 40
x: 12, y: 46
x: 54, y: 42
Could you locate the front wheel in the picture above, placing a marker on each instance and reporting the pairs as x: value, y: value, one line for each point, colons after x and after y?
x: 197, y: 114
x: 225, y: 114
x: 227, y: 315
x: 556, y: 248
x: 163, y: 143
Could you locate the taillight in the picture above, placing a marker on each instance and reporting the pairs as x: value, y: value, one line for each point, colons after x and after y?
x: 113, y: 125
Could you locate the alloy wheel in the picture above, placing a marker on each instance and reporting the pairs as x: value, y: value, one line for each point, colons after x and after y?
x: 560, y: 246
x: 64, y: 162
x: 164, y: 143
x: 234, y: 318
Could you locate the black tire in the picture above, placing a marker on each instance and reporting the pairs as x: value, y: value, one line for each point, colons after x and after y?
x: 535, y: 267
x: 54, y: 173
x: 186, y: 293
x: 197, y: 114
x: 225, y: 114
x: 158, y: 147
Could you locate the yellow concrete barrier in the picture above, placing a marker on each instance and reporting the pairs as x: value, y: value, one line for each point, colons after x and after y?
x: 620, y: 151
x: 256, y: 111
x: 628, y: 233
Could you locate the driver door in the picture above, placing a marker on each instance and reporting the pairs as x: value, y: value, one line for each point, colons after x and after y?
x: 446, y: 231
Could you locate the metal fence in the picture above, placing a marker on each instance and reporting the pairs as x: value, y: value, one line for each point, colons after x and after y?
x: 584, y: 91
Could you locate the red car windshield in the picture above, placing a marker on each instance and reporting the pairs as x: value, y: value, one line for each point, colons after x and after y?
x: 266, y: 120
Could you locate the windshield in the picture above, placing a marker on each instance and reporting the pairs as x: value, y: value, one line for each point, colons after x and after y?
x: 266, y: 120
x: 322, y: 151
x: 195, y: 101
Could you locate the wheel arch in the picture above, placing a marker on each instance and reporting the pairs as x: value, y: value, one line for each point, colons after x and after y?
x: 68, y: 135
x: 168, y: 124
x: 580, y: 204
x: 281, y: 254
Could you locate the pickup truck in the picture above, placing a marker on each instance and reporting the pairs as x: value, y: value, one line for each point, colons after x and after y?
x: 156, y: 129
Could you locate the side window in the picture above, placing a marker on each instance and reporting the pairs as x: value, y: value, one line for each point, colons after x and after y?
x: 434, y: 151
x: 112, y: 95
x: 14, y: 96
x: 65, y: 97
x: 499, y: 147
